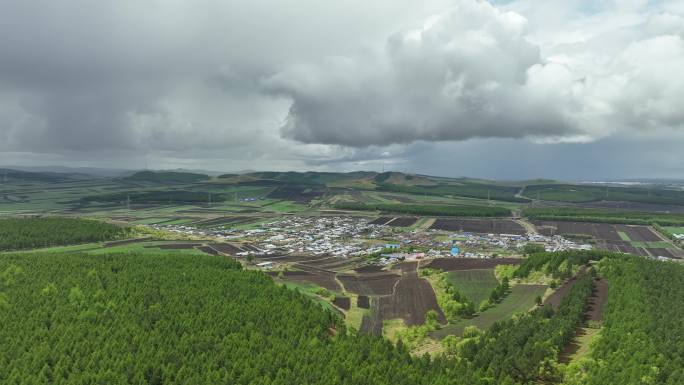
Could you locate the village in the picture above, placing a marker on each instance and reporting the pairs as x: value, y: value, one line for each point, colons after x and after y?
x: 353, y: 236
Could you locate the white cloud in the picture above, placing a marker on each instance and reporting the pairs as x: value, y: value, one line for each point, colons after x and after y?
x: 473, y: 71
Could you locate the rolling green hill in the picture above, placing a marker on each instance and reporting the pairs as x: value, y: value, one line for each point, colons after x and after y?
x: 17, y: 175
x: 166, y: 177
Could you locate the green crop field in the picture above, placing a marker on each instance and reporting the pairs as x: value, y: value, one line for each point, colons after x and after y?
x: 587, y: 193
x: 476, y: 285
x: 624, y: 236
x: 675, y: 230
x: 657, y: 244
x: 520, y: 299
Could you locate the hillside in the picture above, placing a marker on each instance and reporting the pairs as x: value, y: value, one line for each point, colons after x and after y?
x: 17, y: 175
x: 166, y: 177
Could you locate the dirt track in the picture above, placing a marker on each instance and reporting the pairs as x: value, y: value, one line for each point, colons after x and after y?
x: 558, y: 295
x: 598, y: 300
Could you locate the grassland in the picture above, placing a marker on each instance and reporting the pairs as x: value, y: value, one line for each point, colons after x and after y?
x: 476, y: 285
x: 520, y: 299
x: 312, y: 291
x: 354, y: 315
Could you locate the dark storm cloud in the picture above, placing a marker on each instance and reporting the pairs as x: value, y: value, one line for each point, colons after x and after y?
x: 301, y: 83
x: 142, y: 76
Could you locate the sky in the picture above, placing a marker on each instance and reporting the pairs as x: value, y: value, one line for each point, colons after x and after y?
x: 562, y: 89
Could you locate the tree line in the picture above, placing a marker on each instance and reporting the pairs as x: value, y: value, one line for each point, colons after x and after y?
x: 603, y: 216
x: 643, y: 328
x: 166, y: 196
x: 560, y: 264
x: 31, y: 233
x: 524, y: 349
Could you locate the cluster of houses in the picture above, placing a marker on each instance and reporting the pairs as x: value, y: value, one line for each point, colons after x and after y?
x: 345, y: 236
x: 321, y: 235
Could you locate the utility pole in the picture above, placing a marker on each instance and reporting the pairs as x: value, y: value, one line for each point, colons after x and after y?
x: 128, y: 201
x: 209, y: 200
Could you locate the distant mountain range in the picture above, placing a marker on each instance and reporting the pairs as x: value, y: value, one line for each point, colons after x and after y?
x: 57, y: 173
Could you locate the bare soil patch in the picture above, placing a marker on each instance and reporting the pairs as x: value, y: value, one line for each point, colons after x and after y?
x: 208, y: 250
x: 381, y: 220
x: 402, y: 222
x: 368, y: 269
x: 601, y: 231
x: 342, y: 302
x: 369, y: 284
x: 484, y: 226
x: 412, y: 298
x: 558, y: 295
x: 226, y: 248
x: 598, y: 300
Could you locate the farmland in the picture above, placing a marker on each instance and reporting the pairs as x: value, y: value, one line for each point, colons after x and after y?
x: 640, y: 240
x: 411, y: 298
x: 497, y: 226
